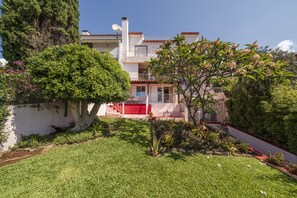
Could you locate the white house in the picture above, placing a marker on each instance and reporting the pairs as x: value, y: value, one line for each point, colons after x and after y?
x: 133, y: 50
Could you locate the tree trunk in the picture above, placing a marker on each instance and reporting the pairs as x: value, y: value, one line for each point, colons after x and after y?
x: 193, y: 119
x: 202, y: 113
x: 81, y: 116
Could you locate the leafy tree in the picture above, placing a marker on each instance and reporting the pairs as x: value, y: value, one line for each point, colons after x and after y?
x: 4, y: 113
x: 81, y: 76
x: 281, y: 115
x: 29, y: 26
x: 193, y: 67
x: 288, y: 58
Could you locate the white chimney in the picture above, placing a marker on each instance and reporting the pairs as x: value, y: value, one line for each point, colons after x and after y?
x: 125, y: 36
x: 85, y: 32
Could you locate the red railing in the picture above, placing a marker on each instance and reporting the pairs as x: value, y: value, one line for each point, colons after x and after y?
x: 132, y: 108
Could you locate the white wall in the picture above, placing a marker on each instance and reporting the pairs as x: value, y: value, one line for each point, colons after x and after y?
x: 32, y: 119
x: 132, y: 69
x: 191, y: 38
x: 134, y: 40
x: 260, y: 145
x: 102, y: 110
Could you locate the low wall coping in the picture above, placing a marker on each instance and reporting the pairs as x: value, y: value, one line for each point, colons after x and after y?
x: 260, y: 145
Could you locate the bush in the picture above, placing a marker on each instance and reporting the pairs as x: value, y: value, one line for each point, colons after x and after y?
x: 213, y: 138
x: 277, y: 159
x: 33, y: 141
x: 64, y: 137
x: 181, y: 132
x: 158, y: 130
x: 168, y: 141
x: 228, y: 144
x: 243, y: 147
x: 4, y: 113
x: 74, y: 137
x: 293, y: 168
x: 267, y: 110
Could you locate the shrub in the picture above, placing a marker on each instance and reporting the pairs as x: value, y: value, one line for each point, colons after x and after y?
x: 74, y: 137
x: 168, y: 141
x: 4, y: 113
x: 64, y: 137
x: 243, y: 147
x: 213, y: 138
x: 276, y: 159
x: 228, y: 144
x: 293, y: 168
x: 158, y: 129
x: 33, y: 141
x: 181, y: 132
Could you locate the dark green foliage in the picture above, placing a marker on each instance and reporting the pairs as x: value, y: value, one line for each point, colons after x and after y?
x: 243, y: 147
x: 282, y: 115
x: 65, y: 137
x: 267, y: 111
x: 276, y: 159
x: 159, y: 128
x: 28, y: 26
x: 78, y: 73
x: 293, y: 168
x: 167, y: 134
x: 75, y: 137
x: 33, y: 141
x: 4, y: 113
x: 228, y: 144
x: 245, y: 104
x: 266, y: 106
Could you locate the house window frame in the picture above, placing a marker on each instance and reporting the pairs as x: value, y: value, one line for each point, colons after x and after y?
x: 141, y: 46
x: 140, y: 91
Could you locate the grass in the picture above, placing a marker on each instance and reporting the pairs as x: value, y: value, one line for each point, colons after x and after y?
x: 119, y: 167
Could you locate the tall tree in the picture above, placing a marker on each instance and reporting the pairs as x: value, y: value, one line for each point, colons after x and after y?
x: 194, y: 67
x: 81, y: 76
x: 30, y: 26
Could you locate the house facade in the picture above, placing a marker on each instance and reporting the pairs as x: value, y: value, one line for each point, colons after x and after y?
x: 133, y: 51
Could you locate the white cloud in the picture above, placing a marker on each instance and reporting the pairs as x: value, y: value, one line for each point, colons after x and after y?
x: 3, y: 62
x: 286, y: 45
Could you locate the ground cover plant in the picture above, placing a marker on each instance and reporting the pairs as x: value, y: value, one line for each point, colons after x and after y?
x: 168, y: 135
x: 66, y: 136
x: 119, y: 167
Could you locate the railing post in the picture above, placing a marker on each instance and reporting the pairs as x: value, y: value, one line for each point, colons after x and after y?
x: 146, y: 105
x: 123, y: 109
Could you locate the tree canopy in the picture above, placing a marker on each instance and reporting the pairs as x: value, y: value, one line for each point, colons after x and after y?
x: 80, y: 75
x: 29, y: 26
x: 194, y: 67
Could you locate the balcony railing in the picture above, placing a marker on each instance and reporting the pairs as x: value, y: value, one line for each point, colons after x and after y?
x: 152, y: 98
x: 145, y: 76
x: 149, y: 53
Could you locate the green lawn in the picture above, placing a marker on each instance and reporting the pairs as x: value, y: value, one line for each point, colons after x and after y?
x: 119, y: 167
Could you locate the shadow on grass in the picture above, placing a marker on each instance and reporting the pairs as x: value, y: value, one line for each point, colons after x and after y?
x: 281, y: 177
x: 138, y: 132
x: 133, y: 131
x: 179, y: 155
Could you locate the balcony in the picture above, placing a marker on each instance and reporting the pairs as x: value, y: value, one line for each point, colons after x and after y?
x: 139, y: 56
x: 146, y: 76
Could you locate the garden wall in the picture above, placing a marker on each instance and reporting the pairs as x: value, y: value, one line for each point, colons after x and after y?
x: 36, y: 119
x: 260, y: 145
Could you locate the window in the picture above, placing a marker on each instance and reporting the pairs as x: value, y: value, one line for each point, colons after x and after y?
x: 90, y: 45
x: 140, y: 91
x: 140, y: 50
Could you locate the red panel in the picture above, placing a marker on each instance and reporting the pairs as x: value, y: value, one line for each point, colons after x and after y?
x: 133, y: 108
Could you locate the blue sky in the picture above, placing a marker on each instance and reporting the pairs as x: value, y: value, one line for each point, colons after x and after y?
x: 240, y: 21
